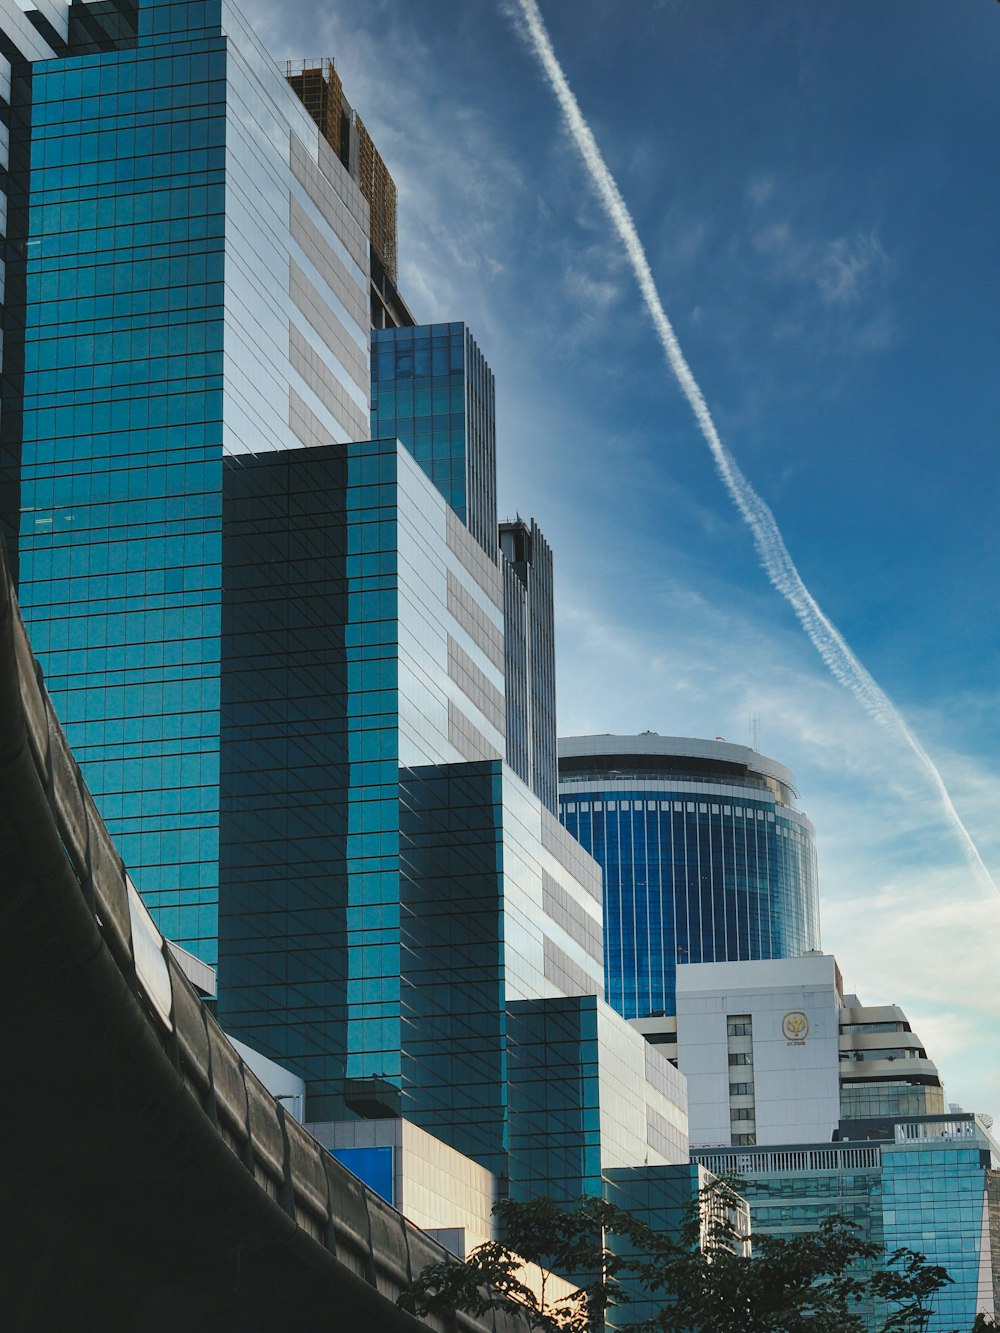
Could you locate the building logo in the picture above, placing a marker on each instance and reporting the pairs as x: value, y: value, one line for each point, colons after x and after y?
x: 795, y: 1027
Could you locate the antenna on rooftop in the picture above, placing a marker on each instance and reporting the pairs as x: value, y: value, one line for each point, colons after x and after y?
x: 754, y: 721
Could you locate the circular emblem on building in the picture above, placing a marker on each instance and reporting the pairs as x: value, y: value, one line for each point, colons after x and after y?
x: 795, y: 1026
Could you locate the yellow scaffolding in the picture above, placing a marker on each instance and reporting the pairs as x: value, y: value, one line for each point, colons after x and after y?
x: 321, y: 92
x: 379, y: 189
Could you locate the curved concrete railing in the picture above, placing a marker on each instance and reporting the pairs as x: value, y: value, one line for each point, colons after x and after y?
x: 211, y: 1207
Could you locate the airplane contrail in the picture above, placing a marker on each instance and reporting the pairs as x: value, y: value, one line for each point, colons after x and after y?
x: 771, y: 548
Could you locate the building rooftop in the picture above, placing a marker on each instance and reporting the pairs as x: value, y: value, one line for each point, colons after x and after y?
x: 683, y: 756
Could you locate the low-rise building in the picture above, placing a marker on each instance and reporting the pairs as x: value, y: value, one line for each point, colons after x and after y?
x: 775, y: 1052
x: 930, y: 1183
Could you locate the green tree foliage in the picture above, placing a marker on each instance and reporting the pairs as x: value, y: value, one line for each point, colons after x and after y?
x: 699, y: 1279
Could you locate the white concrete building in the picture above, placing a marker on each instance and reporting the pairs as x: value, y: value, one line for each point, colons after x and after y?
x: 775, y: 1053
x: 758, y: 1042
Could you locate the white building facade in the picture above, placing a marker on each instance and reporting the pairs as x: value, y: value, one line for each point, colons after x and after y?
x: 758, y: 1043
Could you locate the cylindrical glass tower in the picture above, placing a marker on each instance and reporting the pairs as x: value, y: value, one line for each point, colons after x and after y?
x: 706, y: 859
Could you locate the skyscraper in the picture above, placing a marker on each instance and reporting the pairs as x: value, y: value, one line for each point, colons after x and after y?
x: 188, y: 281
x: 403, y: 922
x: 706, y: 857
x: 433, y: 391
x: 279, y: 645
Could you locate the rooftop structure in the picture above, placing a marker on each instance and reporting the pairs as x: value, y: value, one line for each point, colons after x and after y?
x: 321, y: 91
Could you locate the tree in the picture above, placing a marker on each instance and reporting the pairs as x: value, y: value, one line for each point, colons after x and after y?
x: 698, y: 1280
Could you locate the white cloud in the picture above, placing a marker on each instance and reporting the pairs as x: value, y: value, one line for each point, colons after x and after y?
x: 900, y: 908
x: 845, y: 268
x: 925, y: 941
x: 644, y: 641
x: 760, y: 189
x: 842, y: 270
x: 593, y: 293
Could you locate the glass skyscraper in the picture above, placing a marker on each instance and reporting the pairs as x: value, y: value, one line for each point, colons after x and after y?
x: 705, y: 858
x: 402, y: 921
x: 188, y: 270
x: 433, y: 391
x: 280, y: 646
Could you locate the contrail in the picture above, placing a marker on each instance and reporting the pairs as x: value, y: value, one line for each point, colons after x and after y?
x: 771, y: 548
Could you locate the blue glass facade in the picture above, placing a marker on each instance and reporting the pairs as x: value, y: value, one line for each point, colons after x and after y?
x: 936, y: 1200
x: 285, y: 763
x: 121, y: 457
x: 455, y: 993
x: 397, y: 920
x: 705, y: 860
x: 555, y: 1093
x: 930, y: 1184
x: 309, y: 919
x: 791, y: 1191
x: 168, y: 323
x: 433, y: 391
x: 659, y: 1196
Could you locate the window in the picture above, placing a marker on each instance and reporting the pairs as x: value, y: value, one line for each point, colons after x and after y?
x: 875, y: 1027
x: 885, y: 1053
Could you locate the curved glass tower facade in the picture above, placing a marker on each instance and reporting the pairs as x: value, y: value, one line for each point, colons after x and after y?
x: 706, y: 859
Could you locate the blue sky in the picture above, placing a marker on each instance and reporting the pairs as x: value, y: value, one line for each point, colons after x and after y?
x: 817, y: 188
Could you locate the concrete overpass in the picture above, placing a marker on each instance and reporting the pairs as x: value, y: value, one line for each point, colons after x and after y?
x: 150, y: 1182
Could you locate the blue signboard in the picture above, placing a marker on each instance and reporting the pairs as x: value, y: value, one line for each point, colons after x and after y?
x: 372, y: 1165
